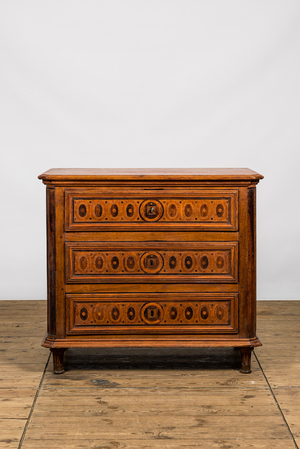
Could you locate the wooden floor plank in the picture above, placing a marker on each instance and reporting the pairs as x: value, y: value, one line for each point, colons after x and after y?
x: 27, y: 356
x: 278, y: 310
x: 282, y: 377
x: 11, y: 431
x: 22, y: 331
x: 158, y: 426
x: 289, y: 402
x: 142, y: 409
x: 160, y: 443
x: 161, y: 396
x: 281, y: 351
x: 14, y: 343
x: 288, y: 399
x: 16, y: 403
x: 8, y: 443
x: 141, y: 378
x: 21, y: 375
x: 20, y: 350
x: 84, y: 402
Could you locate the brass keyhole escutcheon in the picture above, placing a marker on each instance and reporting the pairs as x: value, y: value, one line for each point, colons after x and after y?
x: 151, y: 210
x: 152, y: 262
x: 152, y: 313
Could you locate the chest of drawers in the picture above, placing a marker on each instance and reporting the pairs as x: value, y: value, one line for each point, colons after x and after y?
x: 151, y: 258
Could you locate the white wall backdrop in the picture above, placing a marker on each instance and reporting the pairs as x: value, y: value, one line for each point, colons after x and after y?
x: 149, y: 83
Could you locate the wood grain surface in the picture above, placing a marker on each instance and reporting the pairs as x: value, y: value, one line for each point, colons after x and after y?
x: 150, y: 173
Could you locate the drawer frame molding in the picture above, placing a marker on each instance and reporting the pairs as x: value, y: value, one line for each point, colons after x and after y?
x: 196, y: 262
x: 184, y: 313
x: 101, y: 209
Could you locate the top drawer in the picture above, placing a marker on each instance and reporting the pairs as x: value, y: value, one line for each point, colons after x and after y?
x: 148, y: 209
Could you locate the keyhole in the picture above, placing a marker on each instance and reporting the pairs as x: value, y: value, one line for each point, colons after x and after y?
x: 152, y: 313
x: 151, y: 262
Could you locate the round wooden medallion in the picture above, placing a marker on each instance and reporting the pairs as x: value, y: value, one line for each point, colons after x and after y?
x: 152, y: 262
x: 152, y: 313
x: 151, y: 210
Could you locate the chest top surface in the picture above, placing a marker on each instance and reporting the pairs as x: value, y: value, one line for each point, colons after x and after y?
x: 57, y: 175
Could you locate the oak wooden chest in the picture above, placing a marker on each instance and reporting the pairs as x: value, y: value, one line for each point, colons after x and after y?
x: 151, y: 258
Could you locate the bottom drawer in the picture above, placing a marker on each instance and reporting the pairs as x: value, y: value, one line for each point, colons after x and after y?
x: 151, y: 313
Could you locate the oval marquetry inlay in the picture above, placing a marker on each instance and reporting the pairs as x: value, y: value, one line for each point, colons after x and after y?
x: 188, y: 210
x: 220, y: 262
x: 204, y: 262
x: 129, y: 210
x: 172, y: 262
x: 172, y: 210
x: 115, y: 313
x: 188, y: 262
x: 204, y: 210
x: 215, y: 210
x: 98, y: 210
x: 99, y: 262
x: 220, y: 210
x: 130, y: 262
x: 99, y: 314
x: 82, y: 210
x: 173, y: 313
x: 114, y: 210
x: 188, y: 313
x: 83, y: 313
x: 220, y: 312
x: 83, y: 262
x: 204, y: 313
x: 115, y: 262
x: 131, y: 313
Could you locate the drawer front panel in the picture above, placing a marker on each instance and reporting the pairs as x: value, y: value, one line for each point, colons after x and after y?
x: 203, y: 210
x: 152, y: 262
x: 148, y: 313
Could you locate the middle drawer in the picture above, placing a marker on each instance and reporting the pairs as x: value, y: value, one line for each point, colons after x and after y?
x: 195, y: 262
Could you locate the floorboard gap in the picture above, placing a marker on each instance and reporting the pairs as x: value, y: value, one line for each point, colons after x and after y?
x: 274, y: 397
x: 33, y: 404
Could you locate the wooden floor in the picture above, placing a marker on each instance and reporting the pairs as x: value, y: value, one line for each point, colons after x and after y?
x: 158, y: 399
